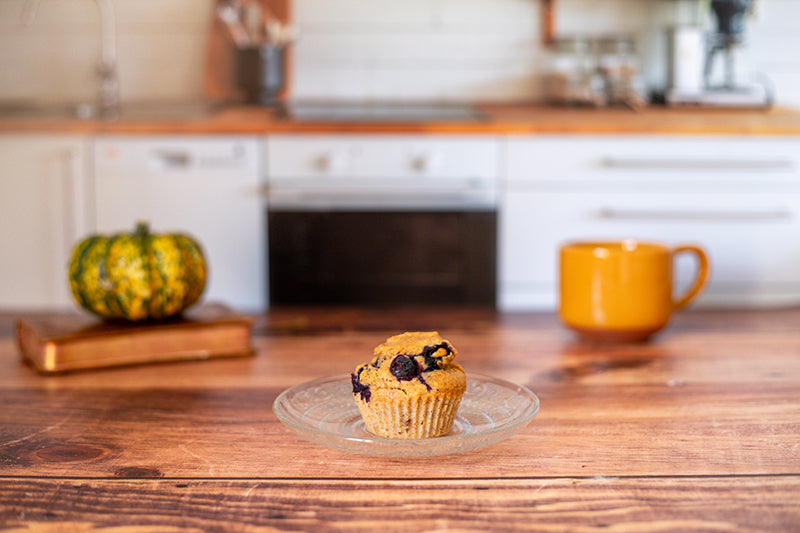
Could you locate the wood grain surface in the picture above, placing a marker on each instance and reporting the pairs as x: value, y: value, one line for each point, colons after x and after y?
x: 535, y: 504
x: 696, y: 430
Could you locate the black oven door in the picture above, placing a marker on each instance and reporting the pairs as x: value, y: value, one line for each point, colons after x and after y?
x: 382, y: 257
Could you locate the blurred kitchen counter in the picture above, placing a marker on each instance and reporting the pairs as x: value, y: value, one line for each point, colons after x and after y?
x: 496, y: 120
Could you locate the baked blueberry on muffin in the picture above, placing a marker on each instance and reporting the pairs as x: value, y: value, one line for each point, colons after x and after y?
x: 412, y: 388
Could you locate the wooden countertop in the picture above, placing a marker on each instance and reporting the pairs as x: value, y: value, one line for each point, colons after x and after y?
x: 697, y: 430
x: 500, y: 120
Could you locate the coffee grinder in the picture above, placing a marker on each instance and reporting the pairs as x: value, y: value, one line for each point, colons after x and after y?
x: 729, y: 35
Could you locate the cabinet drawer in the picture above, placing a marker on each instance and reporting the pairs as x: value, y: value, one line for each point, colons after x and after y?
x: 751, y: 238
x: 706, y: 161
x: 338, y: 156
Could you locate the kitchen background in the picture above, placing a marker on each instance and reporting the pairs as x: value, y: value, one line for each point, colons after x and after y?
x: 727, y: 180
x: 488, y: 50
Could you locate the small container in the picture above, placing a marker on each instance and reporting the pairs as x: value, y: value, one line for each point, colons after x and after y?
x: 619, y: 67
x: 572, y: 77
x: 260, y: 73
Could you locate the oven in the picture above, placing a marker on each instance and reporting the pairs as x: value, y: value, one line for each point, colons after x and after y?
x: 382, y: 220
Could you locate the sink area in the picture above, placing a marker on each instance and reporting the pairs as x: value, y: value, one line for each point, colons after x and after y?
x: 168, y: 110
x: 342, y: 112
x: 23, y: 109
x: 27, y: 109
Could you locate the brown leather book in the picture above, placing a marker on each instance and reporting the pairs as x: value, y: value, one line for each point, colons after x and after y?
x: 72, y: 341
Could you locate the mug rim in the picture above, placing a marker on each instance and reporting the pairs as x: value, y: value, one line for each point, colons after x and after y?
x: 623, y: 246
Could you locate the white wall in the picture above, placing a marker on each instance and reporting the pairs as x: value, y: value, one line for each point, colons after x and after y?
x: 440, y: 49
x: 365, y: 49
x: 775, y: 42
x: 161, y: 47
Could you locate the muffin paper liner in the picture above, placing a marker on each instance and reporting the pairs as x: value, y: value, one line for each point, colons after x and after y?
x: 410, y: 418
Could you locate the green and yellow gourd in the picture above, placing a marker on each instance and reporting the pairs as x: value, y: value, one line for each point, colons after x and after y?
x: 137, y: 276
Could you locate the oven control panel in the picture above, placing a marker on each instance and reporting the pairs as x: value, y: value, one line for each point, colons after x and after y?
x: 385, y: 157
x: 387, y: 172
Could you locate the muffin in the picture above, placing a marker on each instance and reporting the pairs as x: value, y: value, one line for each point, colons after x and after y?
x: 412, y: 388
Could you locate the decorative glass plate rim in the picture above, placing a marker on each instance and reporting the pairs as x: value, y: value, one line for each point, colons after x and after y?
x: 380, y: 446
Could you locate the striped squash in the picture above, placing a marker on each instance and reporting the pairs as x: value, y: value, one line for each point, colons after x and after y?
x: 137, y: 276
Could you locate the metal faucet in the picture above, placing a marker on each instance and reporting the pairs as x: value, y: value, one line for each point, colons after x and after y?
x: 107, y: 67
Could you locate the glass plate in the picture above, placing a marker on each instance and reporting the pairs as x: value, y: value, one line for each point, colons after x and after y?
x: 323, y: 411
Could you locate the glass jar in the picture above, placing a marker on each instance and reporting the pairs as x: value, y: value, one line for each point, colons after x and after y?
x: 619, y: 68
x: 572, y: 77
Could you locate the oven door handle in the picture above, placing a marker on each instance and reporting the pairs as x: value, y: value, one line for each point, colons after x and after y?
x: 384, y: 199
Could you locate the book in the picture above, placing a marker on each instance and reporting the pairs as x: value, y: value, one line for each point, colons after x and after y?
x: 73, y: 341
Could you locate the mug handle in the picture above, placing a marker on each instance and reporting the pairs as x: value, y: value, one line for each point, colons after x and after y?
x: 700, y: 279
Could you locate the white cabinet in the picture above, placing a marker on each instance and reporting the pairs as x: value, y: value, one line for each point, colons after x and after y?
x: 737, y: 197
x: 205, y: 186
x: 44, y: 208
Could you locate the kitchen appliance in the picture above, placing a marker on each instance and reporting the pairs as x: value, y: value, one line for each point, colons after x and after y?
x: 729, y: 16
x: 387, y: 220
x: 203, y: 185
x: 349, y: 111
x: 685, y: 62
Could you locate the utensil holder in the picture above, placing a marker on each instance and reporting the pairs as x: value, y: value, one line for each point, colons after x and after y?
x: 260, y: 73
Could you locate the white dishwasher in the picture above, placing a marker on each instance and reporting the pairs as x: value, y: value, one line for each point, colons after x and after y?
x: 205, y: 186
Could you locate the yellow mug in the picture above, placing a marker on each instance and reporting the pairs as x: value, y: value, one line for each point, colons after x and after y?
x: 622, y: 290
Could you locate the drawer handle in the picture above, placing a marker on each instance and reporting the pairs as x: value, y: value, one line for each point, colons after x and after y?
x: 302, y: 199
x: 776, y: 215
x: 173, y: 159
x: 704, y: 165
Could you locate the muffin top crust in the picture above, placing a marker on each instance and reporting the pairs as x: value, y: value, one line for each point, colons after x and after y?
x: 412, y: 362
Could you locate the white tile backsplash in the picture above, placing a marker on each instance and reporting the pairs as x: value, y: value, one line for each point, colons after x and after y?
x: 161, y: 66
x: 160, y: 43
x: 359, y: 49
x: 418, y: 49
x: 595, y: 17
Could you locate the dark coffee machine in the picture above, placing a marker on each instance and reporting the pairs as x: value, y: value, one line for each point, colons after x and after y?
x: 730, y: 17
x: 729, y: 35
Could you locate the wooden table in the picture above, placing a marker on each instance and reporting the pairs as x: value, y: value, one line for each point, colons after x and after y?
x: 698, y: 430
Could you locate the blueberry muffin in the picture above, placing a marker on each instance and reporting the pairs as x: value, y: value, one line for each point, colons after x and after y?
x: 412, y: 388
